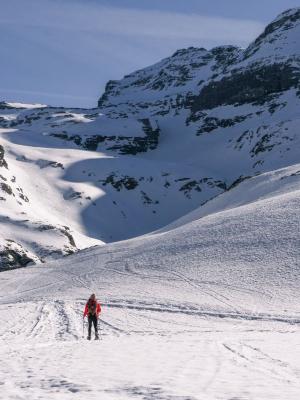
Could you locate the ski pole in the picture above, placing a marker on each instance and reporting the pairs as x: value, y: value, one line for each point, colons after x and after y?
x: 100, y: 329
x: 83, y: 327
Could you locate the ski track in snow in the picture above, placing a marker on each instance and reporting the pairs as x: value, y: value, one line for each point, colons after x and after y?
x: 146, y: 351
x: 167, y: 331
x: 141, y: 355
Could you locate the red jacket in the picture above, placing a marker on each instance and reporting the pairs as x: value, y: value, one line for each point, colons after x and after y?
x: 94, y: 304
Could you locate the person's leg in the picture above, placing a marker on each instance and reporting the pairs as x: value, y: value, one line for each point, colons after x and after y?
x: 95, y: 321
x: 90, y: 319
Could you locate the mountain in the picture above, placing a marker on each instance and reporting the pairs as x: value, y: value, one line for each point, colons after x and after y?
x: 163, y: 141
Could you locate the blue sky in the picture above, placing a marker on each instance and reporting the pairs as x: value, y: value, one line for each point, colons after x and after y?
x: 62, y: 52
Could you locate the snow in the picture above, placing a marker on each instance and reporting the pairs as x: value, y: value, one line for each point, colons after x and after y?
x: 38, y: 174
x: 186, y: 359
x: 208, y: 310
x: 261, y: 187
x: 201, y: 301
x: 65, y: 183
x: 25, y: 105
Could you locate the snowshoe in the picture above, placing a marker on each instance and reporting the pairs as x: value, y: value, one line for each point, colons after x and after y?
x: 97, y: 337
x: 88, y: 338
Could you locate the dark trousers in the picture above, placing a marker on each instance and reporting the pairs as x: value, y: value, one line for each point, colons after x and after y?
x: 93, y: 320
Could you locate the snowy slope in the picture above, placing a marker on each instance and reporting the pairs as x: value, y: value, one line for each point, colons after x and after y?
x: 202, y: 303
x: 256, y: 234
x: 198, y: 312
x: 262, y: 187
x: 163, y: 141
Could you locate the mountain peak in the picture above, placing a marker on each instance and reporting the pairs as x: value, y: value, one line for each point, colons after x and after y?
x: 285, y: 21
x: 282, y: 32
x: 291, y: 13
x: 188, y: 50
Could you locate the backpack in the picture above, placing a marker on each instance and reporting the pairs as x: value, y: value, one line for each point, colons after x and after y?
x: 92, y: 307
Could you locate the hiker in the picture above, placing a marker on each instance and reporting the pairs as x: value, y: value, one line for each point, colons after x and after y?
x: 92, y: 310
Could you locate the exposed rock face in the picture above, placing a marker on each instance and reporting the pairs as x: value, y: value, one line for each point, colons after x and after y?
x: 256, y: 85
x: 10, y: 259
x: 3, y: 162
x: 166, y: 85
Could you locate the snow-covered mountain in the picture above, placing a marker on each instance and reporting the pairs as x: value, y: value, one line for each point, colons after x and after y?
x: 162, y: 142
x: 195, y: 162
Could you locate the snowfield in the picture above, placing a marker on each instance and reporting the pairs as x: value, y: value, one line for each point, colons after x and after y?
x: 205, y: 310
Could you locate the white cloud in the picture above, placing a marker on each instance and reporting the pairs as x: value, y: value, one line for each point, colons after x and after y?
x: 132, y: 22
x: 47, y: 94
